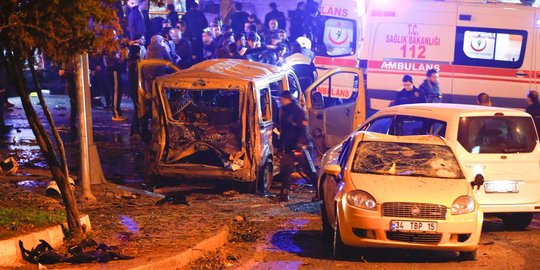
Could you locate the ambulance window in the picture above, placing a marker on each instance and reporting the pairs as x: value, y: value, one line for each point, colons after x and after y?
x: 339, y: 89
x: 265, y: 105
x: 489, y: 47
x: 338, y: 36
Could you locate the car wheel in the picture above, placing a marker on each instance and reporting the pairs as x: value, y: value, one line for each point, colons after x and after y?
x: 265, y: 178
x: 517, y: 221
x: 339, y: 249
x: 468, y: 255
x: 327, y: 231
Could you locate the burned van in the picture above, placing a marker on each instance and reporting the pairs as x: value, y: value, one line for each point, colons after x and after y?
x: 215, y: 120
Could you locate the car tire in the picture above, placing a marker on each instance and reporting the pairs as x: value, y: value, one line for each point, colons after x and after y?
x: 339, y: 249
x: 265, y: 177
x: 468, y: 255
x: 517, y: 221
x: 327, y: 231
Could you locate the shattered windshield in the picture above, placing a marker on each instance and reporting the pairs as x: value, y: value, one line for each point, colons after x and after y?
x: 406, y: 159
x: 204, y: 107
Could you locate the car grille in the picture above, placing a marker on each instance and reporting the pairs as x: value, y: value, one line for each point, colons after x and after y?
x: 414, y: 210
x: 414, y: 237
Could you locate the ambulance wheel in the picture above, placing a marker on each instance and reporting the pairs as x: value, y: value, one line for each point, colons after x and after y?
x: 517, y: 221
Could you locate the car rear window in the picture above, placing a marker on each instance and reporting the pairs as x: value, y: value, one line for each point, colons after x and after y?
x: 497, y: 134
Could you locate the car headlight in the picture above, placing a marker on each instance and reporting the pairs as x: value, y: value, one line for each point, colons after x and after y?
x: 361, y: 199
x: 463, y: 205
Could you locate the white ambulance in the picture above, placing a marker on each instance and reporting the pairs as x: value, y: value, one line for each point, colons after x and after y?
x: 478, y: 46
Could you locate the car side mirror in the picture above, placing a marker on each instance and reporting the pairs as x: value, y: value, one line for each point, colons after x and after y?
x: 317, y: 101
x: 478, y: 181
x: 333, y: 170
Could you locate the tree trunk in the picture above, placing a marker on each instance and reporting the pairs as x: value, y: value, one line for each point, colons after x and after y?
x: 72, y: 212
x: 59, y: 143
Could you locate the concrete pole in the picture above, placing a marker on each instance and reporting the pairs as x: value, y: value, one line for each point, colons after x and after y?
x: 83, y: 128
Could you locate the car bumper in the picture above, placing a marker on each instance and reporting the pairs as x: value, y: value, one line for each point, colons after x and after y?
x: 452, y: 231
x: 510, y: 208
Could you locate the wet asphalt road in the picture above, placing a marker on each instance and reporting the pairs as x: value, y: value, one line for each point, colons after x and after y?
x: 296, y: 244
x: 291, y: 244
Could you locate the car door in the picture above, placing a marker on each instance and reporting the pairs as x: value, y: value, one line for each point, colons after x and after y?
x: 330, y: 184
x: 336, y: 106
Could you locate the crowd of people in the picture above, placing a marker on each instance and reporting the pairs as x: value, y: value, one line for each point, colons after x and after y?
x: 190, y: 39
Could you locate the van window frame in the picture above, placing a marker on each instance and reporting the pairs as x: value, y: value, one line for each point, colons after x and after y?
x: 460, y: 58
x: 268, y: 112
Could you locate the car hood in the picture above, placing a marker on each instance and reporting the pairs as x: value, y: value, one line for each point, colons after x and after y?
x: 389, y: 188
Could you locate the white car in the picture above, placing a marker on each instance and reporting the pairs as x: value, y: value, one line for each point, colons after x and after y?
x: 500, y: 144
x: 399, y: 192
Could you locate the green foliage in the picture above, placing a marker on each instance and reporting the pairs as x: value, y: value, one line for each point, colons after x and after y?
x: 59, y: 28
x: 27, y: 217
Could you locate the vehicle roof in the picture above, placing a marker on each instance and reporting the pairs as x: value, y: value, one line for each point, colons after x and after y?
x: 450, y: 110
x: 224, y: 69
x: 417, y: 139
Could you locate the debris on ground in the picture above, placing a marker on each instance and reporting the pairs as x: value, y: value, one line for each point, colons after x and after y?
x: 174, y: 199
x: 244, y: 231
x: 9, y: 166
x: 86, y: 251
x: 53, y: 190
x: 231, y: 193
x: 216, y: 260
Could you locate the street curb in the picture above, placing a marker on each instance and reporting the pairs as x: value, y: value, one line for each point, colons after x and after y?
x: 10, y: 254
x: 186, y: 257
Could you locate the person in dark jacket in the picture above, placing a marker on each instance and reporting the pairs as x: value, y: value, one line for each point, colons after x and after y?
x: 67, y: 72
x: 430, y: 87
x: 533, y: 108
x: 238, y: 18
x: 196, y: 22
x: 293, y: 141
x: 409, y: 94
x: 303, y: 66
x: 277, y: 15
x: 136, y: 21
x: 297, y: 18
x: 172, y: 15
x: 184, y: 48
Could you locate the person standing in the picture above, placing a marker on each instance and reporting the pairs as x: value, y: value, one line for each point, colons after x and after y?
x: 430, y: 87
x: 297, y: 18
x: 238, y: 18
x: 209, y: 46
x: 293, y: 141
x: 137, y: 52
x: 272, y: 29
x: 184, y: 48
x: 533, y: 108
x: 114, y: 65
x: 409, y: 94
x: 277, y: 15
x: 67, y: 72
x: 195, y: 24
x: 136, y: 21
x: 172, y: 15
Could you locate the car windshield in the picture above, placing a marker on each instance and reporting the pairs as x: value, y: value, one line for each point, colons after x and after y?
x: 406, y: 159
x: 204, y: 107
x: 497, y: 134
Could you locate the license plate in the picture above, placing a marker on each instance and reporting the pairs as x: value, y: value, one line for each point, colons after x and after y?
x: 413, y: 226
x: 501, y: 187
